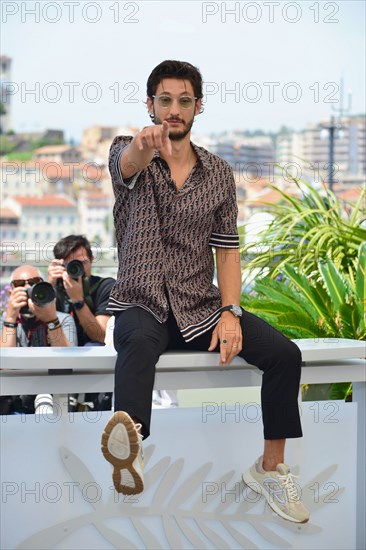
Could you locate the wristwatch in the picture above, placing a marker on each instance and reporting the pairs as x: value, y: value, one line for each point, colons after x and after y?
x: 52, y: 325
x: 78, y: 305
x: 234, y: 308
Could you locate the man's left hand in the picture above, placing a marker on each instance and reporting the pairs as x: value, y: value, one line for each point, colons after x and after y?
x: 229, y: 334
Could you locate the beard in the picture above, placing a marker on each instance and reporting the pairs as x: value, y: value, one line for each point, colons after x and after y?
x: 173, y: 134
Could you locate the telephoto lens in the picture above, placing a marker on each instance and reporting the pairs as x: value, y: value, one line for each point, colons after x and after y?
x: 41, y: 294
x: 75, y: 269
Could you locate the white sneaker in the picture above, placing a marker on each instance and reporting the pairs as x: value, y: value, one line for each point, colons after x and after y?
x: 122, y: 447
x: 279, y: 489
x: 43, y: 404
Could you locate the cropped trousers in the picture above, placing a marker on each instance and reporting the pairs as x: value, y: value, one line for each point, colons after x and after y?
x: 140, y: 340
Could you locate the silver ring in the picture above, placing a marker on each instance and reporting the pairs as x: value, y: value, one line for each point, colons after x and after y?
x: 224, y: 341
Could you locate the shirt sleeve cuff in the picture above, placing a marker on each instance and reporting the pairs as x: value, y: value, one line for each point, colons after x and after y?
x: 130, y: 182
x: 224, y: 241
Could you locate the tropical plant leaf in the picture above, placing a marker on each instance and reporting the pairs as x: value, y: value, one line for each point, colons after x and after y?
x: 307, y: 328
x: 360, y: 282
x: 302, y: 284
x: 278, y: 292
x: 340, y: 391
x: 347, y: 321
x: 309, y: 225
x: 334, y: 283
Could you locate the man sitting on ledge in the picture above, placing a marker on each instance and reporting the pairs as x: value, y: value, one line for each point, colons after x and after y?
x: 174, y: 202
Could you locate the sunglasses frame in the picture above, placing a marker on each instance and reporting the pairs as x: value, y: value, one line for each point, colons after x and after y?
x: 22, y: 282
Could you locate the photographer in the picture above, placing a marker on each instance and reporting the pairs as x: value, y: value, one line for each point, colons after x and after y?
x: 26, y: 324
x: 84, y: 296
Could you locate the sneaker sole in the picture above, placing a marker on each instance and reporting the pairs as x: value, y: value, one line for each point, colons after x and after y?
x: 119, y: 464
x: 252, y: 482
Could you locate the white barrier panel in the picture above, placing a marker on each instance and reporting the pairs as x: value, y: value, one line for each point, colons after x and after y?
x: 57, y: 490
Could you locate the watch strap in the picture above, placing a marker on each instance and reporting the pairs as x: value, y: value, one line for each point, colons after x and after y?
x: 53, y: 325
x: 232, y: 308
x: 79, y: 304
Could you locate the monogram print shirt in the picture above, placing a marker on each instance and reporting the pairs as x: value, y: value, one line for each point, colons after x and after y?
x: 165, y: 238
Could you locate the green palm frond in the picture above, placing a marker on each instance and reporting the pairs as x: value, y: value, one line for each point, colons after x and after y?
x: 307, y: 228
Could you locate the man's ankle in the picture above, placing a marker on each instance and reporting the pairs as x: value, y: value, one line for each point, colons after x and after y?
x: 268, y: 466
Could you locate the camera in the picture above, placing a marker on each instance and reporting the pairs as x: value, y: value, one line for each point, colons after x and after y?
x: 75, y: 269
x: 41, y: 294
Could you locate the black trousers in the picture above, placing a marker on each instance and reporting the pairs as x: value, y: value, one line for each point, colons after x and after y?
x: 140, y: 339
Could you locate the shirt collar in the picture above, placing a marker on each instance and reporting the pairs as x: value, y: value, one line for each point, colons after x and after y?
x: 202, y: 155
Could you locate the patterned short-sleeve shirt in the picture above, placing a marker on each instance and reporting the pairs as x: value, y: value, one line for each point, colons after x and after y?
x: 165, y: 238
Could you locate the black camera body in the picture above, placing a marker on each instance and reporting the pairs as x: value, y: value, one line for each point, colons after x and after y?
x: 75, y: 269
x: 41, y: 294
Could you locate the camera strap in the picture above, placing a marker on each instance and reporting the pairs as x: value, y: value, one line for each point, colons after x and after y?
x: 87, y: 293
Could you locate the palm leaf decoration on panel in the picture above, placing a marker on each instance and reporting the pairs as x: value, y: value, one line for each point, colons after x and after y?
x: 212, y: 522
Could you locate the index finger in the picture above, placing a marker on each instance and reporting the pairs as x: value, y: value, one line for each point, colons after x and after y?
x: 165, y: 129
x: 165, y: 137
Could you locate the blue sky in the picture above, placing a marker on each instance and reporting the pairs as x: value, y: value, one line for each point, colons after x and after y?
x: 282, y: 61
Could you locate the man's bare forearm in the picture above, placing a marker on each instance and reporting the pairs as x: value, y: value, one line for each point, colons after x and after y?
x: 90, y: 324
x: 57, y: 338
x: 134, y: 160
x: 8, y: 337
x: 228, y: 275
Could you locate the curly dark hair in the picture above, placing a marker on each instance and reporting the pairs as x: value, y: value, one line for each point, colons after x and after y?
x: 175, y: 69
x: 69, y: 244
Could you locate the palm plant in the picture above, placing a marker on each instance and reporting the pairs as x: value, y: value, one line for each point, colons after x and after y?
x: 310, y: 272
x: 330, y: 307
x: 306, y: 229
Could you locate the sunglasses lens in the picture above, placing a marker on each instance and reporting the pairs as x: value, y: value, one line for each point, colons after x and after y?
x: 35, y: 280
x: 186, y: 102
x: 164, y: 101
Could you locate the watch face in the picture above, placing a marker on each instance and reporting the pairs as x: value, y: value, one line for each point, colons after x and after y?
x: 236, y: 310
x: 52, y: 325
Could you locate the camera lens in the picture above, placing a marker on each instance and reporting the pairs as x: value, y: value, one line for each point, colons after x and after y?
x: 41, y: 294
x: 75, y: 269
